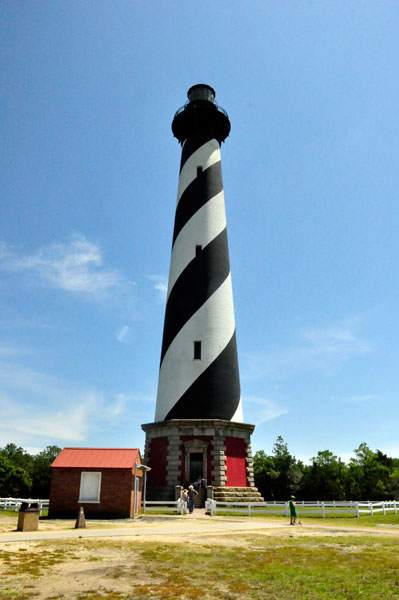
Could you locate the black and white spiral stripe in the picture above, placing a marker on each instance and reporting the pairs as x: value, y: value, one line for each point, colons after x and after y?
x: 200, y: 300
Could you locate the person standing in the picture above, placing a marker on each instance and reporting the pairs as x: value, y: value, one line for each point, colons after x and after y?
x: 293, y: 514
x: 191, y: 498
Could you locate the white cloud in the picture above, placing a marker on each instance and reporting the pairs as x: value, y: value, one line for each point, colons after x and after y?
x: 57, y: 411
x: 315, y: 349
x: 10, y: 350
x: 262, y: 410
x: 76, y: 267
x: 35, y: 449
x: 123, y: 334
x: 160, y: 284
x: 341, y: 341
x: 357, y: 399
x: 346, y: 456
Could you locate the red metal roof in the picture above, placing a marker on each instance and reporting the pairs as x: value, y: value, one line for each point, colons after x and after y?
x: 98, y: 458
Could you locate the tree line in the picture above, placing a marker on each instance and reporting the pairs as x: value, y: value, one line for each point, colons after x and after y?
x: 369, y: 475
x: 23, y: 475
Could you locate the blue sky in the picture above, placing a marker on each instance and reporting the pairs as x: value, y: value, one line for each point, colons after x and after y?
x: 89, y: 172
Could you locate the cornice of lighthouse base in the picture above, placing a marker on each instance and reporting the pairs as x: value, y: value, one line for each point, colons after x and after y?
x: 180, y: 451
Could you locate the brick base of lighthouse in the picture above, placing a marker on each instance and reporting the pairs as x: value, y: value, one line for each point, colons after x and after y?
x: 219, y: 451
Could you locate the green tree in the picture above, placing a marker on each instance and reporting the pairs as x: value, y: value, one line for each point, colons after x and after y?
x: 369, y: 475
x: 279, y: 475
x: 14, y: 481
x: 41, y: 471
x: 289, y: 470
x: 25, y: 474
x: 265, y: 473
x: 326, y: 478
x: 394, y: 477
x: 17, y: 456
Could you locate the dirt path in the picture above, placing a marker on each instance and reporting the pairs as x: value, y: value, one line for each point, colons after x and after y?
x: 176, y: 527
x: 58, y: 562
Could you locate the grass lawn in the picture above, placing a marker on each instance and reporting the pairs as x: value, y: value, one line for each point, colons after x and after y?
x: 332, y: 519
x: 12, y: 513
x: 250, y: 566
x: 307, y: 568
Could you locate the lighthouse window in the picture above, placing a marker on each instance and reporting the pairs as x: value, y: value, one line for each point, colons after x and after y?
x: 197, y: 350
x: 198, y: 250
x: 199, y: 171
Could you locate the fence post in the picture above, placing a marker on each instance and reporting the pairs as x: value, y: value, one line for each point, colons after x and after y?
x: 249, y: 509
x: 371, y: 509
x: 323, y: 510
x: 395, y: 511
x: 357, y: 509
x: 384, y: 512
x: 286, y: 509
x: 210, y: 506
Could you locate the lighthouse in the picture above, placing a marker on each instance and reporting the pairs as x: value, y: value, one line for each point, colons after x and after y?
x: 198, y: 431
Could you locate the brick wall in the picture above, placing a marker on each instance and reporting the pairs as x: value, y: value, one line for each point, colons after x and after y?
x: 116, y: 495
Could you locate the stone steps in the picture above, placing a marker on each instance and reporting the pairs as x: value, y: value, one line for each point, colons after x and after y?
x: 220, y: 493
x: 234, y: 494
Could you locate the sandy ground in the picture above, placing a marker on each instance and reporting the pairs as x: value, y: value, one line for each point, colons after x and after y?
x: 59, y: 562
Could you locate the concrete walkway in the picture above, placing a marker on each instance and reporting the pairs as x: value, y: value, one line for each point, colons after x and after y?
x: 148, y: 526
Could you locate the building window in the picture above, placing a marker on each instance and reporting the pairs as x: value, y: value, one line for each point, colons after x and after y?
x: 198, y: 250
x: 199, y: 171
x: 90, y: 486
x: 197, y: 350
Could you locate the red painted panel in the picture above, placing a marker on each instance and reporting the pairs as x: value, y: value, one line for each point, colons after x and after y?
x: 235, y: 462
x: 157, y: 461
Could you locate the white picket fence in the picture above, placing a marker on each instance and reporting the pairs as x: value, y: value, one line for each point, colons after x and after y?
x: 178, y: 506
x: 308, y: 508
x: 212, y: 507
x: 304, y: 508
x: 14, y: 504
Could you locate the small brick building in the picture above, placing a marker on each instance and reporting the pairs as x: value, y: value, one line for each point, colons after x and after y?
x: 107, y: 482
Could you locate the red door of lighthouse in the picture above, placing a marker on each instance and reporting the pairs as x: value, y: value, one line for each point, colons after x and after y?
x: 236, y: 463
